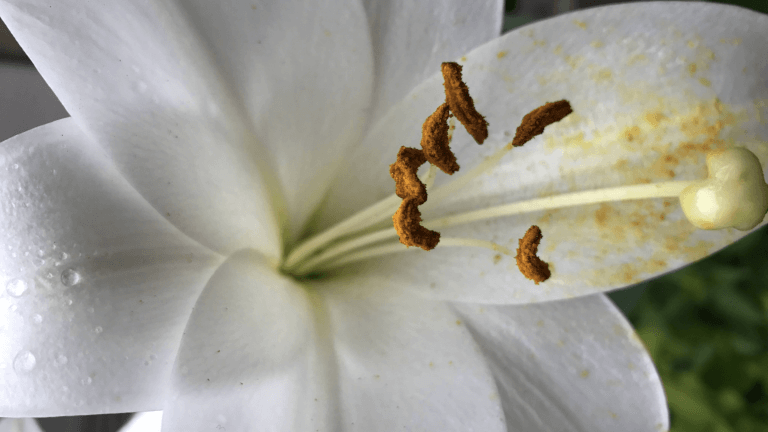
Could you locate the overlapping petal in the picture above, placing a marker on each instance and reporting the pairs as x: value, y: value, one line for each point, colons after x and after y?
x: 151, y: 421
x: 411, y: 38
x: 96, y: 286
x: 405, y: 363
x: 573, y: 365
x: 141, y: 81
x: 653, y: 86
x: 19, y: 425
x: 253, y: 354
x: 303, y: 73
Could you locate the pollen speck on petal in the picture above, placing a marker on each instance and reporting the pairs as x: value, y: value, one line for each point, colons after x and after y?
x: 529, y: 264
x: 435, y: 141
x: 461, y: 103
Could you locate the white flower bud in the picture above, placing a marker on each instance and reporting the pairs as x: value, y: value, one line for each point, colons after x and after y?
x: 734, y: 194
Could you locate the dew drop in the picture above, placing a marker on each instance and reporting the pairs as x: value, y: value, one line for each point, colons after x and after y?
x: 70, y: 277
x: 37, y: 318
x: 69, y: 302
x: 61, y: 359
x: 98, y: 329
x: 64, y: 256
x: 16, y: 287
x: 25, y: 361
x: 152, y: 357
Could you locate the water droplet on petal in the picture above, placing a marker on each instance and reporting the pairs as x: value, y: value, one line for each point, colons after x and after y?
x: 69, y: 302
x: 37, y: 318
x: 98, y: 329
x: 25, y: 361
x: 70, y: 277
x: 61, y: 359
x: 17, y: 287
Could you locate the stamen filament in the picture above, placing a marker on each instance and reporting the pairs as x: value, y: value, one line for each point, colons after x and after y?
x: 372, y: 215
x: 621, y: 193
x: 399, y: 247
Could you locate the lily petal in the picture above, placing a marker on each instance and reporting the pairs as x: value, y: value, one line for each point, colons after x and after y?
x: 151, y: 421
x: 19, y: 425
x: 28, y: 102
x: 96, y: 285
x: 411, y: 38
x: 303, y: 71
x: 573, y: 365
x: 406, y: 364
x: 251, y: 356
x: 654, y: 86
x: 142, y: 82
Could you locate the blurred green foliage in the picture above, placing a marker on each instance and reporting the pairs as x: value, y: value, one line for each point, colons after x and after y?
x: 706, y: 327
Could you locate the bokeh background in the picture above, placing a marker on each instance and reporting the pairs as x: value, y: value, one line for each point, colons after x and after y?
x: 706, y: 326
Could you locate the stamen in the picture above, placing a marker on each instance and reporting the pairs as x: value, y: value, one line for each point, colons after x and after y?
x: 461, y: 103
x: 407, y: 222
x: 403, y: 171
x: 533, y: 124
x: 391, y: 248
x: 529, y: 264
x: 435, y: 141
x: 535, y: 121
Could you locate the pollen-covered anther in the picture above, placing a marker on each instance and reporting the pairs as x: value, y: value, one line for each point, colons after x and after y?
x: 435, y: 141
x: 535, y: 121
x: 403, y: 171
x: 461, y: 103
x: 407, y: 222
x: 529, y: 264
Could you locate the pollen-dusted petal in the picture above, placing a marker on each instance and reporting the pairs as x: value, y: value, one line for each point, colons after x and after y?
x: 407, y: 221
x: 529, y: 264
x: 461, y: 103
x: 535, y: 121
x: 403, y: 171
x: 435, y: 140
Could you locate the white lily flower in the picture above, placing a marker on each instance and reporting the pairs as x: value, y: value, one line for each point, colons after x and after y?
x: 162, y: 247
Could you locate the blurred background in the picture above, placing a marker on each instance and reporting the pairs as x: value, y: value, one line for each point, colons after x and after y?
x: 706, y: 326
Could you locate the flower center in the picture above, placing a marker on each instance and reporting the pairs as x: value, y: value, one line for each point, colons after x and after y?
x: 734, y: 194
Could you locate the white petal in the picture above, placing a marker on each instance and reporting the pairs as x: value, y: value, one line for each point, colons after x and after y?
x: 662, y: 68
x: 406, y: 364
x: 138, y: 78
x: 251, y: 357
x: 303, y: 71
x: 19, y: 425
x: 574, y: 365
x: 27, y: 101
x: 150, y: 421
x: 96, y: 286
x: 412, y: 38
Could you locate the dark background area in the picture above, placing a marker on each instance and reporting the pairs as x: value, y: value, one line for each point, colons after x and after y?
x: 706, y: 326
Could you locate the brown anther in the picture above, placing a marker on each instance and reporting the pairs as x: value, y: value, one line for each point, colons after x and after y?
x: 435, y: 141
x: 407, y: 221
x: 535, y: 121
x: 529, y: 264
x: 461, y: 103
x: 407, y: 183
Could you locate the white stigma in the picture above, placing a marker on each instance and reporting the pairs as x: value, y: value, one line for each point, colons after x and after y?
x: 734, y: 195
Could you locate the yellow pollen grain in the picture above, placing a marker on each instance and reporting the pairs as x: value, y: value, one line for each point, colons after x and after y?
x: 501, y: 54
